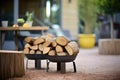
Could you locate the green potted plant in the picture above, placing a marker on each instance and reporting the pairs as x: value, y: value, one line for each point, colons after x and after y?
x: 29, y: 19
x: 20, y: 21
x: 87, y: 13
x: 109, y: 7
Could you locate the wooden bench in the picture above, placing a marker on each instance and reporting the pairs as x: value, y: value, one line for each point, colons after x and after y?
x: 11, y: 64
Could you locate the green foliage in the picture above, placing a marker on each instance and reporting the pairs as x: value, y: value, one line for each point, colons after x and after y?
x: 87, y: 13
x: 20, y: 20
x: 29, y: 16
x: 109, y: 6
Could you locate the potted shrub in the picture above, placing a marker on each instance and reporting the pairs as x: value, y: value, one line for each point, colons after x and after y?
x: 20, y: 21
x: 29, y: 19
x: 109, y: 46
x: 87, y: 13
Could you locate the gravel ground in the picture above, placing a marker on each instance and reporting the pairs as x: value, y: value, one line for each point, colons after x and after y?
x: 90, y: 66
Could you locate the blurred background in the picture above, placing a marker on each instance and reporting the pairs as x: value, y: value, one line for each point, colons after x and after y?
x: 64, y: 17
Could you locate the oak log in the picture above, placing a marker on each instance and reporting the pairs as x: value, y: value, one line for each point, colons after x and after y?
x: 72, y: 48
x: 61, y: 40
x: 38, y: 40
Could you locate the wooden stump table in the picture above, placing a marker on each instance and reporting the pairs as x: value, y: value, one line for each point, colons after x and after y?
x: 11, y: 64
x: 109, y: 46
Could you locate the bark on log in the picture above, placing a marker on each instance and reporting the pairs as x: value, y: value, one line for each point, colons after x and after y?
x: 51, y: 53
x: 46, y: 50
x: 61, y: 40
x: 58, y: 49
x: 72, y: 48
x: 11, y: 64
x: 38, y: 41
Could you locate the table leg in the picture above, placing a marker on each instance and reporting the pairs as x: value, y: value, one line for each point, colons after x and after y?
x: 16, y: 40
x: 2, y: 39
x: 38, y: 64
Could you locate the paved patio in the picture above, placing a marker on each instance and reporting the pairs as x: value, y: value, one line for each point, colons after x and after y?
x: 90, y: 66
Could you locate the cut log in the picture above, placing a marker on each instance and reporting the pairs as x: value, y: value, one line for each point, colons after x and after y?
x: 38, y: 52
x: 35, y: 47
x: 27, y: 45
x: 54, y: 44
x: 26, y: 51
x: 72, y: 48
x: 49, y: 37
x: 51, y: 53
x: 39, y: 40
x: 62, y: 54
x: 40, y: 47
x: 32, y: 51
x: 58, y: 49
x: 47, y: 43
x: 29, y: 39
x: 61, y: 40
x: 46, y: 50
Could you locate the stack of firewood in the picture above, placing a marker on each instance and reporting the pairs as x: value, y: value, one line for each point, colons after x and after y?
x: 50, y: 45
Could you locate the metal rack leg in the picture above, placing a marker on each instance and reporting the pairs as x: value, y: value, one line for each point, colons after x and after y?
x: 74, y: 66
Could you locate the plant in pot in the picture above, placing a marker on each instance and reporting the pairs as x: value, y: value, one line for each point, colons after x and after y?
x: 87, y: 13
x: 29, y: 19
x: 20, y: 21
x: 109, y: 7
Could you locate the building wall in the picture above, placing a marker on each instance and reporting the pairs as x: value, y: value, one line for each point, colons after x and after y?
x: 70, y: 17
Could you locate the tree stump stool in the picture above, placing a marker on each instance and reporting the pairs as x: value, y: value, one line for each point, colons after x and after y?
x: 109, y: 46
x: 11, y: 64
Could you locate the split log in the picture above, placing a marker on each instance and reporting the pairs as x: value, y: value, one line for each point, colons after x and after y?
x: 51, y: 53
x: 27, y: 45
x: 72, y: 48
x: 35, y: 47
x: 59, y: 45
x: 49, y: 37
x: 38, y: 41
x: 26, y: 51
x: 32, y: 51
x: 29, y: 39
x: 38, y: 52
x: 46, y: 50
x: 62, y: 54
x: 40, y: 47
x: 54, y: 43
x: 58, y: 49
x: 47, y: 43
x: 61, y: 40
